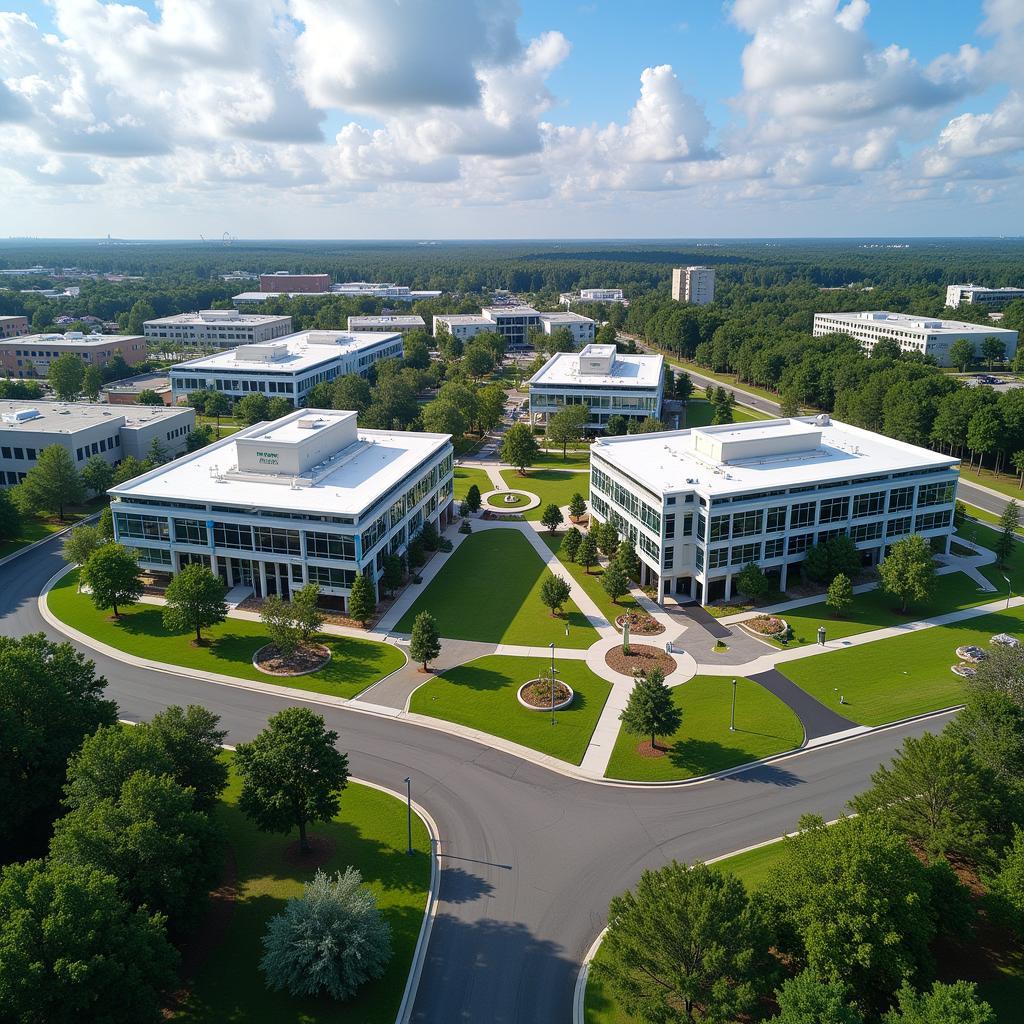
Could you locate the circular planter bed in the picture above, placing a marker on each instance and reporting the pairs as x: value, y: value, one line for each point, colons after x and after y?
x: 536, y: 695
x: 507, y: 500
x: 641, y: 658
x: 770, y: 626
x: 640, y: 624
x: 964, y: 670
x: 971, y: 653
x: 310, y: 658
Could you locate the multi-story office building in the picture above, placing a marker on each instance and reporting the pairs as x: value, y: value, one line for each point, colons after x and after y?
x: 307, y: 498
x: 582, y: 328
x: 592, y: 295
x: 387, y: 324
x: 922, y: 334
x: 513, y: 323
x: 286, y: 368
x: 607, y: 383
x: 695, y: 285
x: 246, y: 299
x: 701, y: 504
x: 86, y: 430
x: 282, y: 281
x: 978, y: 295
x: 215, y: 329
x: 383, y: 290
x: 31, y: 355
x: 13, y: 326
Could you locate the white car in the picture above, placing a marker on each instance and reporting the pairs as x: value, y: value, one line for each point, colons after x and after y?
x: 1005, y: 640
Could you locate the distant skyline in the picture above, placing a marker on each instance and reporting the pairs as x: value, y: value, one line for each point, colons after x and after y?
x: 476, y: 119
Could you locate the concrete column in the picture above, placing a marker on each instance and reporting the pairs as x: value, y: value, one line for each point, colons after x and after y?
x: 661, y: 589
x: 228, y: 568
x: 728, y: 586
x: 783, y: 576
x: 949, y: 540
x: 213, y: 564
x: 263, y: 578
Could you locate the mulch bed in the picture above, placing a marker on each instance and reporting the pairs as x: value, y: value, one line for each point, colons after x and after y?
x: 305, y: 659
x: 645, y: 749
x: 640, y: 624
x: 641, y: 657
x: 321, y: 851
x: 538, y: 694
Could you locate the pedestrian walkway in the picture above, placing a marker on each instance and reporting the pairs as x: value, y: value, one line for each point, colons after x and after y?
x: 817, y: 719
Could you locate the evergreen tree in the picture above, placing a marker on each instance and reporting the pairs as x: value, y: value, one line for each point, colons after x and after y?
x: 473, y: 499
x: 361, y: 601
x: 571, y: 543
x: 577, y: 506
x: 614, y: 582
x: 552, y: 517
x: 650, y: 710
x: 425, y: 643
x: 627, y: 559
x: 1009, y: 520
x: 392, y: 574
x: 195, y: 598
x: 751, y: 581
x: 586, y: 554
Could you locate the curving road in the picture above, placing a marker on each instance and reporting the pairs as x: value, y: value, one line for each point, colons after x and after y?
x: 530, y: 858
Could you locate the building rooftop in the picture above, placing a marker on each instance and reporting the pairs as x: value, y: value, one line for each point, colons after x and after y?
x: 463, y: 318
x: 566, y: 318
x: 314, y: 460
x: 629, y: 371
x: 75, y: 338
x: 217, y: 316
x: 518, y: 310
x: 909, y: 321
x: 51, y: 417
x: 266, y: 296
x: 396, y: 320
x: 762, y: 455
x: 290, y: 354
x: 986, y: 288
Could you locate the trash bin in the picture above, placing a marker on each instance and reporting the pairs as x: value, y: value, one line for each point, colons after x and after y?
x: 821, y: 635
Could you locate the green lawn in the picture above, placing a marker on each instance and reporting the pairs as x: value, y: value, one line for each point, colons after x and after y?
x: 35, y: 528
x: 764, y: 725
x: 572, y: 460
x: 700, y: 412
x: 465, y: 478
x: 482, y: 695
x: 489, y: 590
x: 355, y: 663
x: 899, y: 677
x: 591, y: 582
x: 997, y: 575
x: 549, y: 485
x: 1005, y: 483
x: 370, y: 834
x: 876, y: 609
x: 507, y: 500
x: 984, y: 515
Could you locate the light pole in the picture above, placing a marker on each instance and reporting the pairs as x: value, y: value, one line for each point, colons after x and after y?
x: 408, y: 812
x: 732, y: 723
x: 552, y: 645
x: 1009, y: 590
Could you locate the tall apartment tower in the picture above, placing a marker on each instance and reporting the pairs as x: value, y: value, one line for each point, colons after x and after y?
x: 695, y: 285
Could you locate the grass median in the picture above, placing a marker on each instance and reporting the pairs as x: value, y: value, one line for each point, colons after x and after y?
x: 465, y: 477
x: 355, y: 663
x: 550, y: 485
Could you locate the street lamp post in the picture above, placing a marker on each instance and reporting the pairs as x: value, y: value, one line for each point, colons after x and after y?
x: 1009, y: 590
x: 732, y: 723
x: 552, y: 645
x: 408, y: 812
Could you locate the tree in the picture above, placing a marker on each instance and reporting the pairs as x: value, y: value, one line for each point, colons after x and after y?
x: 823, y: 562
x: 683, y: 386
x: 112, y: 574
x: 991, y: 726
x: 361, y: 601
x: 614, y: 582
x: 74, y: 950
x: 140, y: 312
x: 908, y: 571
x: 352, y: 392
x: 329, y: 942
x: 840, y: 594
x: 808, y: 999
x: 51, y: 699
x: 80, y: 543
x: 566, y: 426
x: 292, y: 773
x: 650, y: 709
x: 789, y: 404
x: 441, y: 417
x: 751, y: 581
x: 571, y: 543
x: 473, y: 498
x: 92, y: 382
x: 490, y: 406
x: 278, y: 407
x: 147, y: 396
x: 552, y: 517
x: 127, y: 469
x: 66, y: 375
x: 554, y: 592
x: 1007, y: 884
x: 425, y: 643
x: 577, y: 506
x: 723, y: 413
x: 1009, y: 520
x: 519, y: 448
x: 253, y: 408
x: 937, y: 795
x: 199, y: 437
x: 586, y: 554
x: 415, y: 351
x: 687, y: 944
x: 393, y: 573
x: 957, y: 1003
x: 415, y: 555
x: 192, y: 740
x: 276, y: 614
x: 156, y: 454
x: 648, y: 425
x: 195, y: 598
x: 616, y: 426
x: 627, y: 559
x: 961, y: 354
x: 217, y: 405
x: 51, y: 484
x: 150, y: 837
x: 992, y: 350
x: 97, y: 474
x: 10, y: 517
x: 607, y: 538
x: 105, y: 524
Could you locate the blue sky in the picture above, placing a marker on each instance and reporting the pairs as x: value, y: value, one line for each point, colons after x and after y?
x: 488, y: 118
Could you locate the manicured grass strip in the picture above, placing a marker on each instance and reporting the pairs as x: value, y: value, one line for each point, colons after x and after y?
x: 764, y: 725
x: 370, y: 834
x: 489, y: 590
x: 902, y: 676
x: 465, y: 477
x: 984, y: 515
x: 591, y: 582
x: 876, y: 609
x: 1004, y: 483
x: 482, y: 695
x: 549, y: 485
x: 355, y: 663
x: 700, y: 412
x: 572, y: 460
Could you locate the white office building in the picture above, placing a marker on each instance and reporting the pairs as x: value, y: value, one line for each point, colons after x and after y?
x: 978, y: 295
x: 382, y: 290
x: 922, y: 334
x: 286, y: 368
x: 244, y: 299
x: 695, y: 285
x: 86, y: 429
x: 582, y: 328
x: 308, y: 498
x: 387, y: 324
x: 513, y: 323
x: 210, y: 329
x: 592, y: 295
x: 608, y: 383
x: 701, y: 504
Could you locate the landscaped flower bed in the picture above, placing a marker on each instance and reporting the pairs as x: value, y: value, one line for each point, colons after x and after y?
x: 640, y: 623
x: 972, y: 653
x: 965, y: 670
x: 771, y: 626
x: 536, y: 695
x: 641, y: 658
x: 305, y: 659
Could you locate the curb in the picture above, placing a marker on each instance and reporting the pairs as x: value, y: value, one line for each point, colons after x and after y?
x: 46, y: 540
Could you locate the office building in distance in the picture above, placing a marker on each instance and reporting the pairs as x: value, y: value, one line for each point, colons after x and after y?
x: 695, y: 285
x: 922, y: 334
x: 701, y: 504
x: 592, y: 295
x: 282, y: 281
x: 383, y: 290
x: 308, y: 498
x: 977, y: 295
x: 598, y: 377
x: 86, y: 430
x: 13, y: 326
x: 285, y: 368
x: 387, y: 324
x: 513, y: 323
x: 215, y: 329
x: 31, y: 355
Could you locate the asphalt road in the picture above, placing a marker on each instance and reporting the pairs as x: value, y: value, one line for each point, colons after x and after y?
x: 530, y: 858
